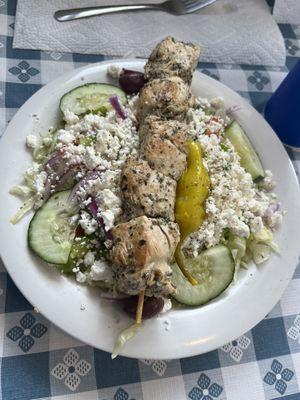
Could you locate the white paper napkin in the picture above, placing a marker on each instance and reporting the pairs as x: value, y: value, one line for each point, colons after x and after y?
x: 230, y: 31
x: 287, y: 11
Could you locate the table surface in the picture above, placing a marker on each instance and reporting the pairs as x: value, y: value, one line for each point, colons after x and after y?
x: 38, y: 361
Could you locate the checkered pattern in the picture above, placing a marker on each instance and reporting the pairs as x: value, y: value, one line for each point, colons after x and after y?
x: 38, y: 361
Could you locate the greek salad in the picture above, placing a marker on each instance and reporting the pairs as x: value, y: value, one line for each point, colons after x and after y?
x: 155, y: 205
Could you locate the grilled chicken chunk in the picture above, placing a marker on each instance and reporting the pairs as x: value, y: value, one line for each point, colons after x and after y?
x: 163, y: 156
x: 169, y: 98
x: 175, y: 131
x: 141, y: 250
x: 172, y: 58
x: 146, y: 191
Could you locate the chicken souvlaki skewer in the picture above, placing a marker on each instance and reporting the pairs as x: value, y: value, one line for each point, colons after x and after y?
x: 144, y: 245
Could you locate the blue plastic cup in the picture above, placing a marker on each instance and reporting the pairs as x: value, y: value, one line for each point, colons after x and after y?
x: 283, y: 109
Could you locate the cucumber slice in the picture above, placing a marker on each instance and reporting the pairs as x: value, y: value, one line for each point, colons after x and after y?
x: 213, y: 269
x: 90, y: 98
x: 50, y: 233
x: 249, y: 158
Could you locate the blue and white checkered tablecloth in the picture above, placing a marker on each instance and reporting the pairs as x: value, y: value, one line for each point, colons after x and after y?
x: 38, y: 361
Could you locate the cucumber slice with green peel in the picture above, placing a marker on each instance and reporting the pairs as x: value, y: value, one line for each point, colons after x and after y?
x: 91, y: 97
x: 81, y: 245
x: 79, y: 249
x: 249, y: 158
x: 50, y: 232
x: 214, y: 271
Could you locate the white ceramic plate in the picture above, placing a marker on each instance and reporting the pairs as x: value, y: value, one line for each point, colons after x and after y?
x: 191, y: 331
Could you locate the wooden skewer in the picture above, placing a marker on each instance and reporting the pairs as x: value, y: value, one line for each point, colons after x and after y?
x: 139, y: 310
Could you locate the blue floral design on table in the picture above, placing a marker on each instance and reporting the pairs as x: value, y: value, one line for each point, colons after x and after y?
x: 71, y: 369
x: 258, y: 80
x: 121, y: 394
x: 206, y: 390
x: 27, y: 332
x: 158, y: 366
x: 278, y: 376
x: 237, y: 347
x: 297, y: 30
x: 291, y: 47
x: 211, y: 74
x: 294, y: 331
x: 24, y: 71
x: 55, y: 55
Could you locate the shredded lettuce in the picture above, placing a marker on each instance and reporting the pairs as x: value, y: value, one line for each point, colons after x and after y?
x: 238, y: 244
x: 260, y: 252
x: 263, y: 236
x: 257, y: 247
x: 31, y: 174
x: 45, y: 147
x: 22, y: 191
x: 123, y: 337
x: 27, y: 206
x: 261, y: 244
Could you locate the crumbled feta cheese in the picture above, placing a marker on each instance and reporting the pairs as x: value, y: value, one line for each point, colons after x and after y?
x: 88, y: 224
x: 108, y: 218
x: 31, y: 141
x: 256, y: 224
x: 167, y: 306
x: 114, y: 71
x: 89, y: 259
x: 65, y: 137
x: 40, y: 181
x: 39, y: 187
x: 108, y: 200
x: 268, y: 182
x: 32, y: 170
x: 101, y: 271
x: 80, y: 277
x: 91, y: 160
x: 70, y: 117
x: 274, y: 221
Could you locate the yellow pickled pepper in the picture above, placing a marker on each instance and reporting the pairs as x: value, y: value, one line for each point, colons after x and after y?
x: 192, y: 191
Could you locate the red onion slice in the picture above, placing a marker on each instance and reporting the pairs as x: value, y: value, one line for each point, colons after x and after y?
x: 54, y: 167
x: 272, y: 209
x: 90, y: 176
x: 115, y: 102
x: 94, y: 210
x: 56, y: 164
x: 70, y: 174
x: 231, y: 111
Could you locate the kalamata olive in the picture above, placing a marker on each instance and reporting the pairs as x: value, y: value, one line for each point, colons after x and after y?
x: 131, y: 81
x: 152, y: 306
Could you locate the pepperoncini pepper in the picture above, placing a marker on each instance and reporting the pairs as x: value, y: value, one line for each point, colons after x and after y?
x: 192, y: 191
